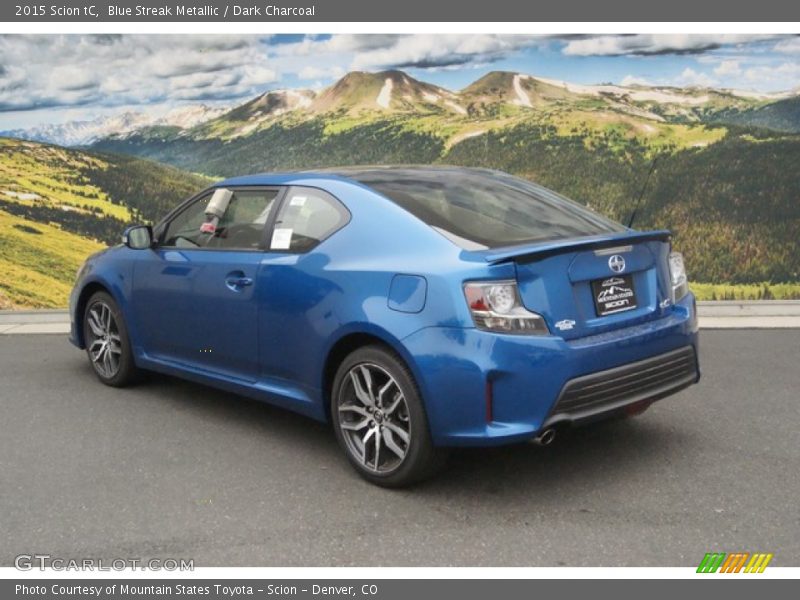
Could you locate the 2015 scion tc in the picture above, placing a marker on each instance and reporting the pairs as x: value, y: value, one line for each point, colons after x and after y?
x: 414, y: 308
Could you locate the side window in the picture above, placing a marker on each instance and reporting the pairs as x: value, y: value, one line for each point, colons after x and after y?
x: 307, y: 217
x: 240, y: 227
x: 184, y: 229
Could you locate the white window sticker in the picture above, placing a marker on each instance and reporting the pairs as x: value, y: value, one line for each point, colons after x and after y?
x: 281, y: 238
x: 297, y: 201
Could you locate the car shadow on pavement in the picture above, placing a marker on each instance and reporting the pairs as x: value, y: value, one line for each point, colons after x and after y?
x: 580, y: 459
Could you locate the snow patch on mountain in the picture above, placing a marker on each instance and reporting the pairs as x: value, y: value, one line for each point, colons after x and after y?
x: 456, y: 107
x: 77, y: 133
x: 190, y: 116
x: 300, y: 98
x: 665, y: 97
x: 638, y: 112
x: 763, y: 95
x: 22, y: 195
x: 82, y: 133
x: 658, y: 95
x: 385, y: 95
x: 522, y: 97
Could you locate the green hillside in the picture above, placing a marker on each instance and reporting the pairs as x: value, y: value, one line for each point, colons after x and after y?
x: 734, y: 206
x: 57, y: 206
x: 730, y: 193
x: 783, y: 116
x: 726, y: 182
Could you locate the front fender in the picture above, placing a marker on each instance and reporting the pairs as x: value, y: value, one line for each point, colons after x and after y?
x: 100, y: 274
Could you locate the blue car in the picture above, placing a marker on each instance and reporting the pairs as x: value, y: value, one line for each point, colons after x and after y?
x: 415, y: 308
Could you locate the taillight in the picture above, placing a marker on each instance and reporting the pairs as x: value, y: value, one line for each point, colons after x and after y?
x: 677, y: 273
x: 496, y: 306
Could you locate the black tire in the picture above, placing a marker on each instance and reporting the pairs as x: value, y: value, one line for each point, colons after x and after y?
x: 387, y: 418
x: 103, y: 324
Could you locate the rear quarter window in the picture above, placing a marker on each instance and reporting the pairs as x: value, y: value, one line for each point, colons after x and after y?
x: 486, y: 209
x: 307, y: 217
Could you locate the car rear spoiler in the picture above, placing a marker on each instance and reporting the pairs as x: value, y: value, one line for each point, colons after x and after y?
x: 536, y: 251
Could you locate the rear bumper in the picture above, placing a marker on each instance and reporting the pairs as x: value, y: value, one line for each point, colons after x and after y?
x: 596, y: 395
x: 483, y: 389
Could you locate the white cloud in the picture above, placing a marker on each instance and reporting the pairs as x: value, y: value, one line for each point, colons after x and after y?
x: 368, y: 52
x: 256, y: 76
x: 111, y: 70
x: 437, y: 51
x: 95, y: 73
x: 630, y: 80
x: 783, y: 76
x: 690, y: 77
x: 647, y: 44
x: 731, y: 74
x: 728, y: 68
x: 313, y: 72
x: 100, y: 71
x: 48, y: 72
x: 789, y: 46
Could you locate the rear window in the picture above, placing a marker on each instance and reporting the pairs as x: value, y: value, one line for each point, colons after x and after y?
x: 485, y: 209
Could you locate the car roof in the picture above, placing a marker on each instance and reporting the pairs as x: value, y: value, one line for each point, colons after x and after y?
x: 351, y: 173
x: 274, y: 179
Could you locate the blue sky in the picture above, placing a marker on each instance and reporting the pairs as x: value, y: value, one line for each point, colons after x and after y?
x: 53, y: 79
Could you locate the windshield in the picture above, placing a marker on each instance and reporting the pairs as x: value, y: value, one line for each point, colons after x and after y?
x: 485, y: 209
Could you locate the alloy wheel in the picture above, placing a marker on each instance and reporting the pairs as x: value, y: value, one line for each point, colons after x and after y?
x: 105, y: 345
x: 374, y: 418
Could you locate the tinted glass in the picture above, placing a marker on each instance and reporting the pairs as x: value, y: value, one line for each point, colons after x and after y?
x: 240, y: 228
x: 485, y: 208
x: 307, y: 217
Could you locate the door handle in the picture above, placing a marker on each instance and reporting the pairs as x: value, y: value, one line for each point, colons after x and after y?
x: 236, y: 282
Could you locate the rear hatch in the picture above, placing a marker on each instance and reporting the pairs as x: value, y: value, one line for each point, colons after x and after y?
x: 589, y: 286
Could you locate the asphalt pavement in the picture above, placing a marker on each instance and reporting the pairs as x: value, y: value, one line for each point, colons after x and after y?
x: 170, y: 469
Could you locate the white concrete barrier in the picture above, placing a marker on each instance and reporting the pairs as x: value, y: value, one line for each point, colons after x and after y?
x: 719, y: 314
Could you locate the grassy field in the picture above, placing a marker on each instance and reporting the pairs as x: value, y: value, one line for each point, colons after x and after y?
x: 760, y: 291
x: 38, y: 263
x: 36, y: 174
x: 58, y: 206
x: 38, y: 258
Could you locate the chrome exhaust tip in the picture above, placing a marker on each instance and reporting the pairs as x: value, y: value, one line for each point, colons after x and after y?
x: 545, y: 438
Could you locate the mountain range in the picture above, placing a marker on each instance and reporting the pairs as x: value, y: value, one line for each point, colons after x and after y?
x: 497, y: 94
x: 83, y: 133
x: 724, y: 162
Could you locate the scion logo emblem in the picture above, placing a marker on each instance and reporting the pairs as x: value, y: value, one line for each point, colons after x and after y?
x: 616, y: 263
x: 565, y: 324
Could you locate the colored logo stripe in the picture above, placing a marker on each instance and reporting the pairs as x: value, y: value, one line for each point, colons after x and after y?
x: 758, y: 563
x: 734, y: 562
x: 711, y: 562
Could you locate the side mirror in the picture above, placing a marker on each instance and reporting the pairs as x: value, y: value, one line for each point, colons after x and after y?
x: 138, y: 237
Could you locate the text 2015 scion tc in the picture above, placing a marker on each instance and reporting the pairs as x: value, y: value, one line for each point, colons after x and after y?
x: 415, y: 308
